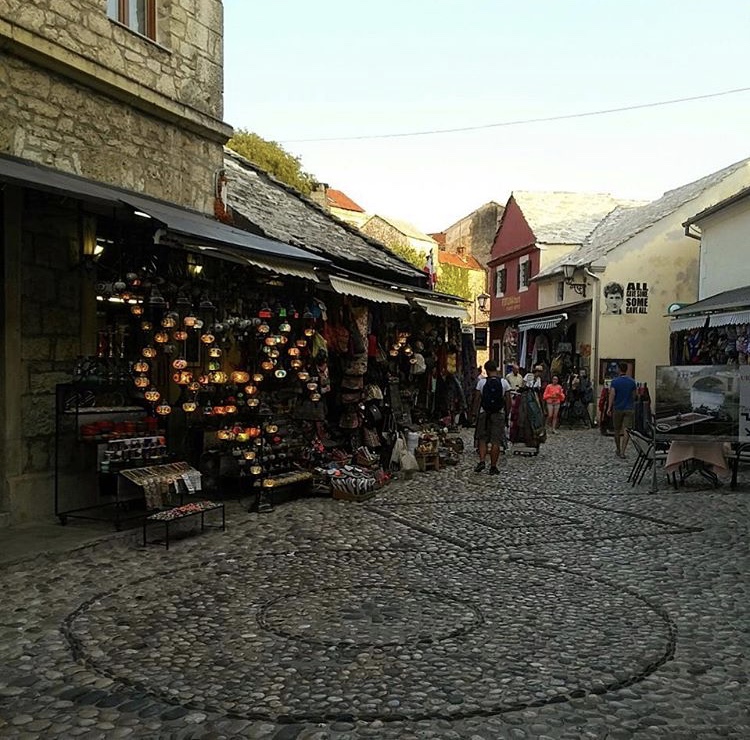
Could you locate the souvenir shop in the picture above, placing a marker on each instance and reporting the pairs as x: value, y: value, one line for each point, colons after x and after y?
x: 261, y: 381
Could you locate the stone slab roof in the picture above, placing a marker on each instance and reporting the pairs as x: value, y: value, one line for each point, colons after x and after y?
x: 280, y: 212
x: 564, y: 218
x: 624, y: 223
x: 406, y: 228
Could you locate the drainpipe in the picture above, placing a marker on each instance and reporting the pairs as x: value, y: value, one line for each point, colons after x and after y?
x: 596, y: 310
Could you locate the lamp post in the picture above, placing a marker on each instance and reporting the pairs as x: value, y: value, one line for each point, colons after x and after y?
x: 482, y: 304
x: 569, y: 272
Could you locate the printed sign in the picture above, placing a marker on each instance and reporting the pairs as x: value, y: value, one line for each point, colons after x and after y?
x: 636, y: 298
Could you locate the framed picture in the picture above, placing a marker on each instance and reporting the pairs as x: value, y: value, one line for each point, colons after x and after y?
x: 610, y: 368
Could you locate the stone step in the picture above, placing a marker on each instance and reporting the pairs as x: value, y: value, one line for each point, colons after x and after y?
x: 4, y: 519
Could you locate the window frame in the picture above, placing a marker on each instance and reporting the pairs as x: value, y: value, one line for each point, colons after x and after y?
x: 501, y: 281
x: 123, y: 17
x: 524, y: 273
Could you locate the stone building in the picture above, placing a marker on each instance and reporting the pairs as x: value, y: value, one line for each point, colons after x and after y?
x: 91, y: 102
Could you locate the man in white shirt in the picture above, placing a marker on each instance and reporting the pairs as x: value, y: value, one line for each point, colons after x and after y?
x: 490, y: 427
x: 514, y: 378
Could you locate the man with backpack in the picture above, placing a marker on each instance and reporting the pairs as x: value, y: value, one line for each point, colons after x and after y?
x: 491, y: 409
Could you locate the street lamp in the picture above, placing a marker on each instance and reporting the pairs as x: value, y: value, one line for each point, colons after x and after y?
x: 482, y: 299
x: 569, y: 272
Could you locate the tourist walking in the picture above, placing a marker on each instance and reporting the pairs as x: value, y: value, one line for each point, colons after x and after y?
x: 553, y: 396
x: 621, y: 407
x: 491, y: 407
x: 514, y: 377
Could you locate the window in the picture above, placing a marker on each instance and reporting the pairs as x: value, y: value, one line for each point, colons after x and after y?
x: 501, y: 281
x: 480, y: 337
x: 137, y: 15
x: 560, y: 292
x: 524, y: 273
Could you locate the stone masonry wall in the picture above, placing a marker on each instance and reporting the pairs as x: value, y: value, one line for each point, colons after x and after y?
x: 50, y: 120
x: 186, y: 63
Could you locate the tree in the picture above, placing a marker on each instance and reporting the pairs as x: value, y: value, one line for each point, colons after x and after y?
x: 273, y: 158
x: 455, y: 280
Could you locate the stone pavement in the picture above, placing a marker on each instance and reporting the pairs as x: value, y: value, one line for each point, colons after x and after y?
x: 552, y: 601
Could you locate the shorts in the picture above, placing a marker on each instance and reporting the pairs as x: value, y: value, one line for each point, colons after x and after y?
x: 622, y: 420
x: 491, y: 427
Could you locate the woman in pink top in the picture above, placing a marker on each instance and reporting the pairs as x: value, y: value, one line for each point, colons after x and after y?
x: 553, y: 396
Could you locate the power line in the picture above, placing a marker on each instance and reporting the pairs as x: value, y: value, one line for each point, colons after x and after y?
x: 522, y: 121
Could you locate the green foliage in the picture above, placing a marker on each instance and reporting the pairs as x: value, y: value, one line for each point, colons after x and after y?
x: 454, y: 280
x: 273, y: 158
x: 407, y: 252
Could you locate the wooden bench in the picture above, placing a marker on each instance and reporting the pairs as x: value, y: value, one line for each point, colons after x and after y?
x: 177, y: 513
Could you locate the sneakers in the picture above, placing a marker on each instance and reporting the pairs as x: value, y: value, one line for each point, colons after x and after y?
x: 480, y: 467
x: 494, y: 471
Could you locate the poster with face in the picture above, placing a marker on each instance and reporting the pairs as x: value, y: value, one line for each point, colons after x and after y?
x: 619, y: 299
x: 614, y: 295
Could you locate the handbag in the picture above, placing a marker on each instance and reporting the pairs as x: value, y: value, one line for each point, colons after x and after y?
x: 373, y: 414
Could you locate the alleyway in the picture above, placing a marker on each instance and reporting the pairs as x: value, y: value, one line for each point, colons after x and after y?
x: 551, y: 601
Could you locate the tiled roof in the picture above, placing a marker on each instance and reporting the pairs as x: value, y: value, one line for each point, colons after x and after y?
x: 278, y: 211
x: 405, y: 228
x: 624, y: 223
x: 337, y: 199
x: 458, y: 260
x: 564, y: 218
x: 439, y: 238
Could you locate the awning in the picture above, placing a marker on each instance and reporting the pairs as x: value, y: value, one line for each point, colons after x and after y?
x: 368, y: 292
x: 714, y: 319
x: 730, y: 300
x: 443, y: 310
x: 177, y: 220
x: 542, y: 322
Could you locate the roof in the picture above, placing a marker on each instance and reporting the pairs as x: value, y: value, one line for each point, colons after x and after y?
x: 406, y: 228
x: 564, y: 218
x: 626, y: 222
x: 457, y: 260
x: 728, y: 300
x: 439, y: 237
x: 282, y: 213
x: 337, y: 199
x: 720, y: 206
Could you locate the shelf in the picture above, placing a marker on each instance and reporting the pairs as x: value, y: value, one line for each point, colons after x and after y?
x: 93, y: 410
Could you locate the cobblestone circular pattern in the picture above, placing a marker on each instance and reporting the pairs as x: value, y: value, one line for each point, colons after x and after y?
x: 372, y: 616
x: 453, y: 641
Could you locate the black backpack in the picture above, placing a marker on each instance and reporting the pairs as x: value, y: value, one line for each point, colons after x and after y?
x: 492, y: 395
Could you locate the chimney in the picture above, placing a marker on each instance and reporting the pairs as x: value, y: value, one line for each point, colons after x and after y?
x: 319, y: 195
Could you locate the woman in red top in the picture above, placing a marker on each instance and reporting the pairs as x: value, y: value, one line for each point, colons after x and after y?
x: 553, y: 396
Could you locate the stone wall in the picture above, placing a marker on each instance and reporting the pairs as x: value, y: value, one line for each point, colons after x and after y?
x: 185, y: 64
x: 48, y: 119
x: 476, y: 232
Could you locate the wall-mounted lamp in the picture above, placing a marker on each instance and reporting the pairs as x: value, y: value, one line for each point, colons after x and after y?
x: 482, y: 302
x: 569, y: 272
x: 91, y: 247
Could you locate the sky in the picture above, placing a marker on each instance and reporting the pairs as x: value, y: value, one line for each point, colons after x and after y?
x: 296, y: 70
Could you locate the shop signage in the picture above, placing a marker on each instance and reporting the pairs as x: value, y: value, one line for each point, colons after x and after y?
x: 511, y: 303
x: 636, y: 298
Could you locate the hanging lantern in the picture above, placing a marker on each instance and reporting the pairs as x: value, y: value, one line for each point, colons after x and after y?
x: 146, y: 326
x: 251, y: 390
x: 195, y: 386
x: 213, y: 365
x: 183, y: 377
x: 230, y: 408
x: 164, y: 409
x: 219, y: 411
x: 214, y: 352
x: 258, y: 378
x: 256, y: 469
x: 149, y: 351
x: 315, y: 397
x: 301, y: 343
x: 283, y: 339
x: 253, y: 402
x: 240, y: 376
x: 285, y: 327
x: 249, y: 454
x: 274, y: 354
x: 303, y: 375
x: 170, y: 320
x: 218, y: 377
x: 141, y: 366
x: 204, y: 380
x: 180, y: 335
x: 189, y: 406
x: 264, y: 329
x: 267, y: 365
x: 189, y: 321
x: 161, y: 337
x: 296, y: 363
x: 180, y: 363
x: 225, y: 434
x: 408, y: 351
x: 393, y: 352
x: 309, y: 331
x: 141, y: 381
x: 280, y: 373
x: 136, y: 309
x: 152, y: 395
x: 208, y: 338
x: 270, y: 341
x: 293, y: 351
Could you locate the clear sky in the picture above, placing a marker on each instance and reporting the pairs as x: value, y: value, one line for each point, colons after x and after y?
x: 302, y: 69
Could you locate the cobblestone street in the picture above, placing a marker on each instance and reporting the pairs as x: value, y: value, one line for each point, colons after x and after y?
x: 551, y: 601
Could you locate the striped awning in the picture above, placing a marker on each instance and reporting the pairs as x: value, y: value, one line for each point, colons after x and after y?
x: 368, y: 292
x: 442, y: 310
x: 282, y: 267
x: 542, y: 322
x: 714, y: 319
